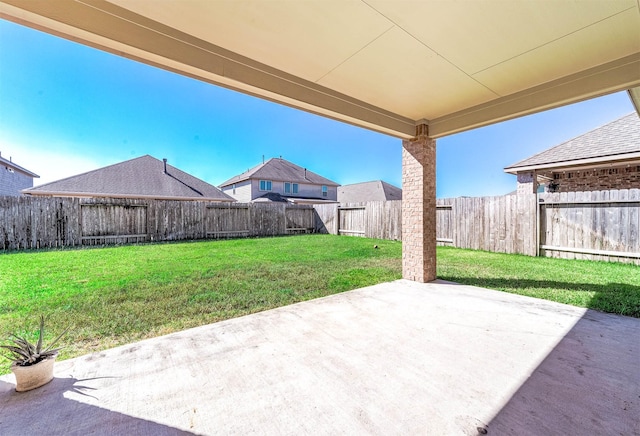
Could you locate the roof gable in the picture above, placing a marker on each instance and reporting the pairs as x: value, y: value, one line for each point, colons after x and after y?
x: 376, y: 190
x: 142, y: 177
x: 9, y: 164
x: 615, y: 140
x: 282, y: 170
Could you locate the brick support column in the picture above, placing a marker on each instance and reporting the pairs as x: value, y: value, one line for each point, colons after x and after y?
x: 419, y: 207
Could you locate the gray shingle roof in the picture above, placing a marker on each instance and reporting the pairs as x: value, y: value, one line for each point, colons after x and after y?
x: 274, y: 197
x: 615, y: 139
x: 142, y: 177
x: 9, y: 164
x: 278, y: 169
x: 376, y: 190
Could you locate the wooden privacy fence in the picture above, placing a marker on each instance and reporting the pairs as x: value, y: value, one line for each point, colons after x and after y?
x: 34, y: 222
x: 505, y: 224
x: 603, y: 225
x: 373, y: 219
x: 600, y: 225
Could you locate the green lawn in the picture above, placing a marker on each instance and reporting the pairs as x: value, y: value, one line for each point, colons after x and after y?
x: 116, y: 295
x: 605, y: 286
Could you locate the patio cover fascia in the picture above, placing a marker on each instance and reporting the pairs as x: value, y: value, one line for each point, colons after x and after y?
x: 112, y: 28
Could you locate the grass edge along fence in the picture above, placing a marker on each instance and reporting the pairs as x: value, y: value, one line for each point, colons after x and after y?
x: 597, y: 225
x: 590, y: 225
x: 49, y: 222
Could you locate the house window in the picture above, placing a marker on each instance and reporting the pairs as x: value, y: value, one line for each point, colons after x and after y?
x: 325, y: 191
x: 234, y: 188
x: 265, y: 185
x: 290, y: 188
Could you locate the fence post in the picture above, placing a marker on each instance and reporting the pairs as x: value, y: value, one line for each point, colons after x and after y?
x: 538, y: 206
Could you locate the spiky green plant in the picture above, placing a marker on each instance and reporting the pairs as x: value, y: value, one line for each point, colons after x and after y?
x: 24, y: 353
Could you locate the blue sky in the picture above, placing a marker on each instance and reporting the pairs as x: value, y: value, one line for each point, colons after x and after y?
x: 66, y: 109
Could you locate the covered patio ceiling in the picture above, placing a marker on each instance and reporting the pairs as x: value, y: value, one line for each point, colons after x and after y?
x: 384, y: 65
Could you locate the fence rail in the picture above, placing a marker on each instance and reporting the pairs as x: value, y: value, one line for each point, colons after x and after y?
x: 599, y: 225
x: 373, y: 219
x: 557, y: 225
x: 34, y: 222
x: 603, y: 225
x: 503, y: 224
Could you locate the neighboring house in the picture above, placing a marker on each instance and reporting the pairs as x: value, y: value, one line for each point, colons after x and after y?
x: 14, y: 178
x: 376, y: 190
x: 142, y: 177
x: 605, y: 158
x: 280, y: 180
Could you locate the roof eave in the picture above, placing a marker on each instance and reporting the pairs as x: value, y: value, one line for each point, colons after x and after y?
x: 18, y: 168
x: 620, y: 158
x: 232, y: 181
x: 634, y: 94
x: 128, y: 196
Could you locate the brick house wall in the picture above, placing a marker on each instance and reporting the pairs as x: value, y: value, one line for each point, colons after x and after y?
x: 12, y: 182
x: 597, y: 179
x: 526, y: 183
x: 624, y: 177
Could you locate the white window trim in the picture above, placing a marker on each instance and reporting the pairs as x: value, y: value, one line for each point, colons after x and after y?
x: 267, y: 183
x: 293, y: 188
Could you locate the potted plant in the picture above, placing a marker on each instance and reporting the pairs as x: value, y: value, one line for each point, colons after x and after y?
x: 32, y: 365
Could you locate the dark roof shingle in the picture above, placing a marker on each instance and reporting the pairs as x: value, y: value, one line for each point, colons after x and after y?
x: 376, y: 190
x: 614, y: 139
x: 142, y: 177
x: 281, y: 170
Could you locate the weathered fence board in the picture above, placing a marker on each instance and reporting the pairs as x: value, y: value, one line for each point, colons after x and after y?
x: 444, y: 222
x: 326, y: 216
x: 503, y: 224
x: 300, y: 219
x: 352, y: 220
x: 605, y: 229
x: 227, y: 221
x: 598, y: 225
x: 602, y: 225
x: 34, y: 222
x: 373, y: 219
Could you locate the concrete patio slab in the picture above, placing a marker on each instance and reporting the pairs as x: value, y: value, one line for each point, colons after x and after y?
x: 396, y: 358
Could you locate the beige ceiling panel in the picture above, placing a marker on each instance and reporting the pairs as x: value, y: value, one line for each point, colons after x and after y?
x: 402, y: 75
x: 466, y: 34
x: 349, y: 61
x: 603, y: 42
x: 305, y: 38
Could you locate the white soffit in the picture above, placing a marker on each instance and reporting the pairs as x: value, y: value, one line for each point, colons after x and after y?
x: 304, y: 38
x: 634, y: 94
x: 440, y: 90
x: 384, y: 65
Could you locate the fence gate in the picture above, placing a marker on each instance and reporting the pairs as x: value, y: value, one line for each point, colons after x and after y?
x: 299, y: 219
x: 444, y: 224
x: 227, y: 221
x: 104, y: 223
x: 351, y: 220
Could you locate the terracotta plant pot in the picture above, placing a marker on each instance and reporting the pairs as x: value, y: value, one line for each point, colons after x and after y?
x: 33, y: 376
